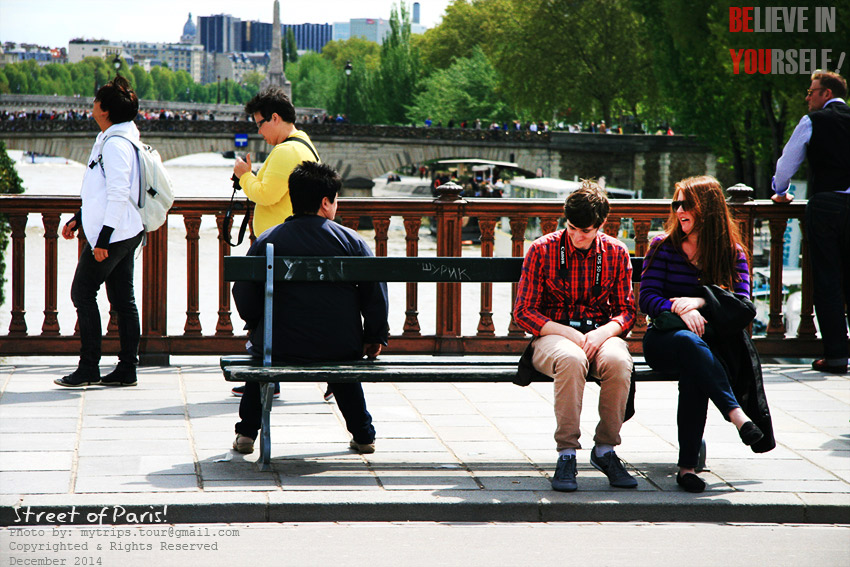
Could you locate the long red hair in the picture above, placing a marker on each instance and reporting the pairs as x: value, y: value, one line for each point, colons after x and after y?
x: 718, y: 238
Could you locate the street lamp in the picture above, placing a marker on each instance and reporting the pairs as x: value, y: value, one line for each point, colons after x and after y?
x: 226, y: 90
x: 117, y: 64
x: 348, y: 69
x: 218, y: 90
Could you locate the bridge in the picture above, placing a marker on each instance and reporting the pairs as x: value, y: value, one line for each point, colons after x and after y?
x: 639, y: 162
x: 30, y: 102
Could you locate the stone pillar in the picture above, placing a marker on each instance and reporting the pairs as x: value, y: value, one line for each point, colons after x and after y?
x: 638, y: 172
x: 664, y: 174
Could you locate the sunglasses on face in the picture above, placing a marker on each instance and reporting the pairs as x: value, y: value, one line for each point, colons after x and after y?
x: 676, y: 204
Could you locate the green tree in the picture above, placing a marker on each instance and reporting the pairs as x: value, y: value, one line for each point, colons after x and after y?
x: 468, y: 89
x: 142, y: 82
x: 10, y: 184
x: 60, y: 76
x: 253, y: 79
x: 583, y: 54
x: 291, y: 47
x: 361, y: 52
x: 392, y: 87
x: 745, y: 118
x: 17, y: 79
x: 464, y: 26
x: 163, y: 81
x: 314, y: 81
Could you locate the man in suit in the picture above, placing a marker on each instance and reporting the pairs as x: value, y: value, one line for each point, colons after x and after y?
x: 823, y: 136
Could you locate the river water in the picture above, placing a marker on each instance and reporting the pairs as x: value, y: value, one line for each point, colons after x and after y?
x: 208, y: 175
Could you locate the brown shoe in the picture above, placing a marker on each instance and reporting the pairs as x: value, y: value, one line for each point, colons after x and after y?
x: 243, y: 444
x: 362, y: 448
x: 821, y: 366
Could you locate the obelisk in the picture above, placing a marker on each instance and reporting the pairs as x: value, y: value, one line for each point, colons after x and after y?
x: 276, y: 76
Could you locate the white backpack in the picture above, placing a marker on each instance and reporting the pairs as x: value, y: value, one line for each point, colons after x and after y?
x: 156, y: 192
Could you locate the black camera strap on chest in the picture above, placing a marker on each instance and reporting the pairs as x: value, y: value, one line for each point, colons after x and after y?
x: 596, y: 290
x: 309, y: 147
x: 228, y: 216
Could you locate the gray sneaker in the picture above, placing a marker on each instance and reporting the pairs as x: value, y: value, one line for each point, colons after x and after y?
x: 362, y: 448
x: 610, y: 464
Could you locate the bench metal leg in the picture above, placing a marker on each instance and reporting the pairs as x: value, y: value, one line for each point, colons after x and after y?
x: 266, y: 398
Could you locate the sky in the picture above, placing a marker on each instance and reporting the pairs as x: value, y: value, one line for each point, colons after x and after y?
x: 52, y: 23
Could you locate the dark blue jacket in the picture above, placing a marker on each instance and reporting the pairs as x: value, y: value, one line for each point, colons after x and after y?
x: 315, y: 321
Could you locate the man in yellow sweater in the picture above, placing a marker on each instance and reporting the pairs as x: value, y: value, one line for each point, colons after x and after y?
x: 274, y: 115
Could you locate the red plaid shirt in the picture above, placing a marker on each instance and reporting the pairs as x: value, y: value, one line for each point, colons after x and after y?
x: 543, y: 295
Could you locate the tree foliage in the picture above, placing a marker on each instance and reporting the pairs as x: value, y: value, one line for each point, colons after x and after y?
x: 392, y: 87
x: 466, y: 90
x: 361, y: 52
x: 745, y: 118
x: 314, y: 80
x: 84, y: 78
x: 289, y: 47
x: 10, y: 183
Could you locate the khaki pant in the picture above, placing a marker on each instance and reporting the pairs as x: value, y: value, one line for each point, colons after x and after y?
x: 567, y: 364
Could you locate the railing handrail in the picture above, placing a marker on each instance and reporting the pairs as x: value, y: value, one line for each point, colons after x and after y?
x: 448, y: 213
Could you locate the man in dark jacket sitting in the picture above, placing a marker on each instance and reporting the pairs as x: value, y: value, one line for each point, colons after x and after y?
x: 314, y: 322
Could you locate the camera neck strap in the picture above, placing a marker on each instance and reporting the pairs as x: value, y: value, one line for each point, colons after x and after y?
x: 228, y: 217
x: 596, y: 290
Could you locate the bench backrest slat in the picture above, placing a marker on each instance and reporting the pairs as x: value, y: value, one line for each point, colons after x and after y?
x: 382, y: 269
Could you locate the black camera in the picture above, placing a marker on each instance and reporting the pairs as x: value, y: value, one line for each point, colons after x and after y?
x: 235, y: 180
x: 583, y: 325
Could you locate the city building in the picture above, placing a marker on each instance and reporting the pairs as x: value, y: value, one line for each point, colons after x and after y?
x: 190, y: 31
x: 309, y: 37
x: 79, y: 49
x: 233, y: 66
x: 372, y: 29
x: 11, y: 52
x: 341, y: 31
x: 256, y: 37
x: 177, y: 56
x: 221, y: 33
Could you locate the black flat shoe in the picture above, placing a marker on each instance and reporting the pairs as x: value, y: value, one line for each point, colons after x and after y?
x: 690, y: 482
x: 750, y: 433
x: 79, y: 378
x: 822, y: 366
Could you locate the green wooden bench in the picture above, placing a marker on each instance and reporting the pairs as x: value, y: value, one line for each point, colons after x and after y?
x: 387, y: 368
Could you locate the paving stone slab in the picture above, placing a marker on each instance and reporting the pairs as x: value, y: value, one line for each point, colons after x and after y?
x: 36, y: 460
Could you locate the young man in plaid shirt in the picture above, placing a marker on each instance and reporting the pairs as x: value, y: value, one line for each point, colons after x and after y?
x: 575, y: 296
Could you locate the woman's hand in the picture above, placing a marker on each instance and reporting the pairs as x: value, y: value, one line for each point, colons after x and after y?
x: 694, y: 321
x: 242, y: 166
x: 682, y: 305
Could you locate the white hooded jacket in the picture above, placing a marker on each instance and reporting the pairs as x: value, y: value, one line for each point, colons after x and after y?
x: 108, y: 193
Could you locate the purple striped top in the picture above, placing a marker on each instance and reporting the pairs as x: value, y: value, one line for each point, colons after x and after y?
x: 667, y: 273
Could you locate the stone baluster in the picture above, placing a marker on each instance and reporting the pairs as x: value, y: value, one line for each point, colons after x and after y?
x: 411, y: 314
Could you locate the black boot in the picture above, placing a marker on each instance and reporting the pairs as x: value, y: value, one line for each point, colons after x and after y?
x: 80, y: 378
x: 123, y: 375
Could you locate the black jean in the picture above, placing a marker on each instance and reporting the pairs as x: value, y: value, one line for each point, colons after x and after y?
x: 349, y: 397
x: 828, y: 232
x: 116, y: 271
x: 701, y: 377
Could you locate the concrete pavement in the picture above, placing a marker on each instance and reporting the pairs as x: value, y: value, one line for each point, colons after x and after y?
x: 160, y: 453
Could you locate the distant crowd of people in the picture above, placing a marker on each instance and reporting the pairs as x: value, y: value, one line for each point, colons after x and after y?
x: 325, y: 118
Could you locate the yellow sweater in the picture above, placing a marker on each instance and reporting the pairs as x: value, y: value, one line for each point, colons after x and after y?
x: 269, y: 189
